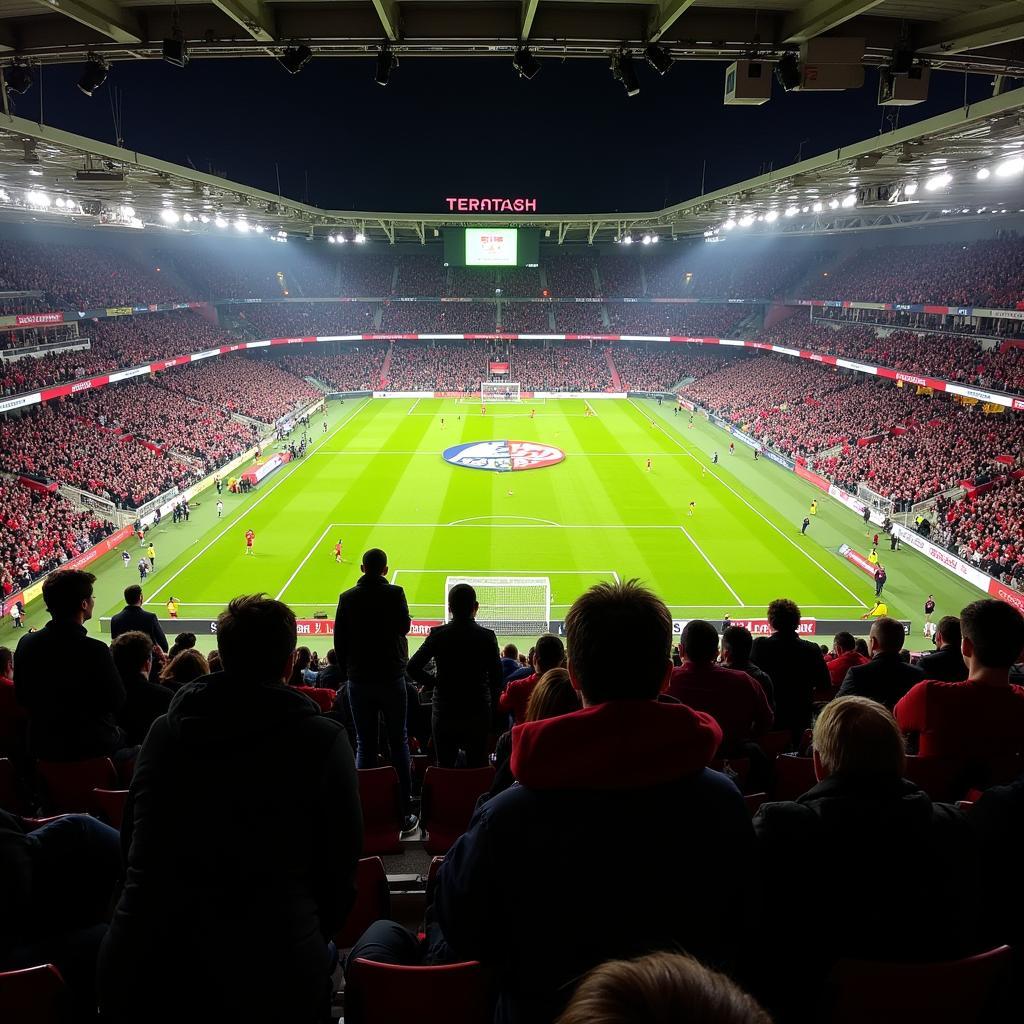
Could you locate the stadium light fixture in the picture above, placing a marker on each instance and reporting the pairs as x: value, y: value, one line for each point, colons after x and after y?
x: 259, y: 229
x: 658, y: 58
x: 983, y: 173
x: 771, y: 216
x: 128, y: 212
x: 937, y: 181
x: 220, y: 222
x: 60, y: 202
x: 817, y: 207
x: 94, y: 75
x: 646, y: 239
x: 746, y: 220
x: 36, y: 197
x: 627, y: 239
x: 18, y: 78
x: 654, y: 238
x: 910, y: 188
x: 331, y: 239
x: 169, y: 216
x: 385, y: 62
x: 360, y: 238
x: 242, y: 225
x: 849, y: 200
x: 729, y: 224
x: 787, y: 71
x: 1015, y: 165
x: 203, y: 219
x: 340, y: 238
x: 295, y: 58
x: 525, y: 64
x: 187, y: 218
x: 833, y: 204
x: 624, y: 72
x: 792, y: 211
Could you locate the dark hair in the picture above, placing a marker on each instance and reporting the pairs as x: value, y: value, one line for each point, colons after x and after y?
x: 844, y: 641
x: 510, y: 651
x: 182, y: 642
x: 860, y: 645
x: 553, y: 695
x: 65, y: 590
x: 6, y: 662
x: 889, y: 633
x: 375, y: 561
x: 332, y: 657
x: 660, y: 987
x: 256, y: 637
x: 949, y: 629
x: 783, y: 615
x: 130, y: 652
x: 186, y: 665
x: 461, y: 601
x: 302, y: 660
x: 738, y: 642
x: 996, y: 629
x: 699, y: 642
x: 619, y: 638
x: 133, y: 594
x: 212, y: 660
x: 549, y: 652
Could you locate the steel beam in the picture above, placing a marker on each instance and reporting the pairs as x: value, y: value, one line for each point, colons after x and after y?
x: 102, y: 16
x: 664, y: 16
x: 529, y: 12
x: 816, y: 17
x: 980, y: 28
x: 387, y: 11
x: 252, y: 15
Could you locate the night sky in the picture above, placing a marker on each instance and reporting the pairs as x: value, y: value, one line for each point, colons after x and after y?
x: 570, y: 137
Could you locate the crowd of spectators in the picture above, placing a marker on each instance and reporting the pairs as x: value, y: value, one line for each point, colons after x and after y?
x: 655, y: 367
x: 454, y: 366
x: 620, y: 276
x: 579, y: 318
x: 526, y: 318
x: 308, y: 319
x: 352, y: 367
x: 570, y: 276
x: 560, y: 366
x: 473, y: 282
x: 686, y: 320
x: 730, y: 271
x: 421, y: 275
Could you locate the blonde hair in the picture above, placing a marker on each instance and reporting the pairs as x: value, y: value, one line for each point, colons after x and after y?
x: 660, y: 987
x: 857, y: 736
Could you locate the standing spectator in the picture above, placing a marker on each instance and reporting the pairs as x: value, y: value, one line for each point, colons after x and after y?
x: 144, y: 702
x: 886, y: 677
x: 134, y: 617
x: 548, y: 654
x: 880, y: 578
x: 796, y: 666
x: 946, y: 662
x: 981, y: 718
x: 16, y: 614
x: 370, y: 630
x: 468, y: 672
x: 243, y: 832
x: 639, y: 767
x: 844, y: 657
x: 66, y: 680
x: 509, y: 660
x: 737, y: 643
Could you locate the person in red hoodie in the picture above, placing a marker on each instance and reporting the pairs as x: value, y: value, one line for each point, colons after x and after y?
x: 844, y: 657
x: 548, y: 654
x: 982, y: 718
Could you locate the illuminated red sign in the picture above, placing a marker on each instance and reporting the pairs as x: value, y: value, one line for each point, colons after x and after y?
x: 498, y: 205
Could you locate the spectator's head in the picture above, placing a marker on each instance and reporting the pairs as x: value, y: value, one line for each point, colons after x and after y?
x: 182, y: 642
x: 619, y: 638
x: 510, y: 651
x: 133, y: 594
x: 858, y: 738
x: 256, y: 638
x: 213, y: 660
x: 860, y: 645
x: 332, y: 657
x: 462, y: 601
x: 133, y: 655
x: 6, y: 663
x: 660, y: 987
x: 375, y: 562
x: 783, y: 615
x: 886, y: 636
x: 843, y: 642
x: 303, y: 658
x: 553, y: 695
x: 823, y: 648
x: 187, y: 665
x: 737, y: 643
x: 67, y: 595
x: 993, y: 637
x: 549, y: 653
x: 947, y: 633
x: 699, y: 642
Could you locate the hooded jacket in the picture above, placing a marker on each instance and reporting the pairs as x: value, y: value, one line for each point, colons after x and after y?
x: 565, y: 869
x: 241, y: 834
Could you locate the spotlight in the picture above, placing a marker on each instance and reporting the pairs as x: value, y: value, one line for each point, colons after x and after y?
x: 983, y: 173
x: 203, y: 219
x: 817, y: 207
x: 385, y: 62
x: 624, y: 72
x: 787, y: 71
x: 525, y: 64
x: 340, y: 239
x: 658, y: 58
x: 242, y: 226
x: 295, y: 58
x: 169, y: 216
x: 746, y: 220
x: 175, y: 51
x: 128, y: 212
x: 220, y: 222
x: 627, y: 240
x: 910, y: 188
x: 792, y: 211
x: 1010, y: 167
x: 848, y: 201
x: 94, y: 75
x: 654, y: 238
x: 938, y: 181
x: 18, y: 78
x: 771, y: 216
x: 360, y: 238
x: 331, y: 239
x: 729, y: 224
x: 35, y: 197
x: 646, y: 239
x: 188, y: 218
x: 833, y: 204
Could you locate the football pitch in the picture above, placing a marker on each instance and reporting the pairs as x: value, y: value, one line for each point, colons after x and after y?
x: 378, y: 479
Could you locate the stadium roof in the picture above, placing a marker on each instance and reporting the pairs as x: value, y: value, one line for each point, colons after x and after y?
x: 889, y: 180
x: 954, y: 34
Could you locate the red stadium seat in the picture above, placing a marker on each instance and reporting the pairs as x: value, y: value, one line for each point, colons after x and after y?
x: 68, y: 785
x: 382, y: 810
x: 35, y: 995
x: 935, y: 775
x: 954, y: 992
x: 448, y: 801
x: 109, y: 805
x: 373, y: 902
x: 386, y: 994
x: 793, y: 776
x: 775, y: 743
x: 754, y: 801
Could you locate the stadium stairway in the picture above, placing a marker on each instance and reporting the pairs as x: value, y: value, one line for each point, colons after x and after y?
x: 613, y: 370
x: 385, y: 367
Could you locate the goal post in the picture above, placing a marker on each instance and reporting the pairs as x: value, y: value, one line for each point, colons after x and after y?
x: 510, y: 605
x: 499, y: 391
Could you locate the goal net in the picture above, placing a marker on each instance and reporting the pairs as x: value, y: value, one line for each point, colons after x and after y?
x: 510, y: 605
x: 498, y: 391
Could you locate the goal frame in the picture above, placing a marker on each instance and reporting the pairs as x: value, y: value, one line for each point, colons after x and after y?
x: 504, y: 391
x: 534, y: 616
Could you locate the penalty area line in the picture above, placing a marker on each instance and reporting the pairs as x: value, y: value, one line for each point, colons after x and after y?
x: 712, y: 566
x: 298, y: 569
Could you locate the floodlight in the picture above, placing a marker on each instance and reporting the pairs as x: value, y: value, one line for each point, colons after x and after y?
x: 35, y: 197
x: 169, y: 216
x: 817, y: 207
x: 833, y: 204
x: 624, y: 72
x: 983, y: 173
x: 1010, y: 167
x: 360, y: 237
x: 729, y: 224
x: 242, y: 225
x: 792, y: 211
x: 627, y: 240
x: 128, y: 212
x: 646, y: 239
x: 18, y: 78
x: 848, y: 201
x: 937, y: 181
x: 220, y: 222
x: 525, y: 64
x: 295, y: 58
x: 188, y: 218
x: 771, y: 216
x: 659, y: 58
x: 385, y: 62
x: 94, y: 75
x: 175, y: 51
x: 910, y: 188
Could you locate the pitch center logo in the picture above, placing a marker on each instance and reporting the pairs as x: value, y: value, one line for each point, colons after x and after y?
x: 503, y: 456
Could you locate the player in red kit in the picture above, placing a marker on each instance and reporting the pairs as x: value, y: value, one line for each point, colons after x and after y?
x: 249, y: 538
x: 337, y: 552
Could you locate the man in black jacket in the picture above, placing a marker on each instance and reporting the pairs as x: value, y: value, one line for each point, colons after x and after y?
x: 133, y: 616
x: 797, y: 667
x: 468, y: 671
x: 946, y: 662
x: 66, y: 680
x: 370, y: 631
x: 886, y: 677
x: 145, y: 701
x: 242, y: 833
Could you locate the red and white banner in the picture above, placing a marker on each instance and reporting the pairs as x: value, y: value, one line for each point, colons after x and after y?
x: 325, y: 627
x: 262, y: 469
x: 498, y: 367
x: 758, y: 627
x: 32, y: 319
x: 857, y: 559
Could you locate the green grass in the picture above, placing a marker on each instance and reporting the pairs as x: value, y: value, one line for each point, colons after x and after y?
x: 378, y: 479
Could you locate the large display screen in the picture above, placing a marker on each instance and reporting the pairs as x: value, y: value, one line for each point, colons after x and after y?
x: 492, y: 247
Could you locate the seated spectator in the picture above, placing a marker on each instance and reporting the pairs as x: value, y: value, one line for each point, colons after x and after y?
x: 886, y: 677
x: 982, y: 718
x: 245, y: 791
x: 144, y: 702
x: 330, y: 676
x: 66, y: 680
x: 466, y: 680
x: 548, y: 653
x: 734, y: 699
x: 322, y: 697
x: 861, y: 805
x: 134, y: 617
x: 945, y: 663
x: 509, y: 660
x: 182, y: 642
x: 844, y: 657
x: 637, y: 766
x: 183, y: 667
x: 657, y: 989
x: 737, y: 643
